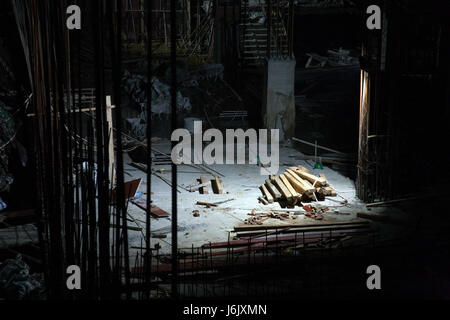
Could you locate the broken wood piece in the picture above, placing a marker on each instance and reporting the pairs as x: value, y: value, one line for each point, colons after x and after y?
x: 207, y: 204
x: 273, y: 190
x: 195, y: 188
x: 329, y: 191
x: 224, y: 201
x: 204, y: 189
x: 263, y: 201
x: 266, y: 193
x: 216, y: 185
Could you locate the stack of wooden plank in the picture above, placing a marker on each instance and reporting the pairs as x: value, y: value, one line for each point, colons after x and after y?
x: 295, y: 185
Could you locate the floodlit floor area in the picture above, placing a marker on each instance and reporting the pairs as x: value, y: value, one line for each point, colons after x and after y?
x: 241, y: 184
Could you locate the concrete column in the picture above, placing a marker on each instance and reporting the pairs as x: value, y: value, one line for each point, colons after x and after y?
x: 279, y: 102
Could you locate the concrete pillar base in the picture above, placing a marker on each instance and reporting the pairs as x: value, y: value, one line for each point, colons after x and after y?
x: 279, y: 102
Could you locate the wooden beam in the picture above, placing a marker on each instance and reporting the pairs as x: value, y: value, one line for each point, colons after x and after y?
x: 273, y: 190
x: 283, y: 189
x: 263, y: 201
x: 266, y: 192
x: 303, y: 185
x: 290, y: 188
x: 303, y: 169
x: 298, y: 186
x: 315, y: 181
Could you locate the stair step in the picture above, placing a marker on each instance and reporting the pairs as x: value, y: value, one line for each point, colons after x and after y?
x: 260, y: 35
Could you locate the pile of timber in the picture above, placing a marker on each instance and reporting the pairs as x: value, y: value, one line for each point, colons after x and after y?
x: 295, y: 185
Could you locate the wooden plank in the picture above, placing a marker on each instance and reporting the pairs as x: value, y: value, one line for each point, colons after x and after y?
x: 309, y: 189
x: 297, y: 183
x: 325, y: 229
x: 249, y: 227
x: 273, y: 190
x: 155, y: 210
x: 217, y: 185
x: 263, y: 201
x: 315, y: 181
x: 303, y: 169
x: 290, y: 188
x: 207, y: 204
x: 266, y: 193
x: 284, y: 191
x: 204, y: 189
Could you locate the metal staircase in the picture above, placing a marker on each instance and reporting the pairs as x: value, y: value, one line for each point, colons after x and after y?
x: 253, y: 31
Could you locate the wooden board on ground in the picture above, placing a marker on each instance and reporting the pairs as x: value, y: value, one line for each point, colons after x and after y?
x: 217, y: 185
x: 155, y: 210
x: 324, y: 229
x: 248, y: 227
x: 204, y: 189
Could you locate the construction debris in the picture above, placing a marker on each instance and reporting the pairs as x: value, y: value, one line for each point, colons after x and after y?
x: 204, y: 188
x: 296, y: 185
x: 254, y: 226
x: 335, y: 58
x: 215, y: 204
x: 16, y: 283
x: 155, y: 211
x: 217, y: 185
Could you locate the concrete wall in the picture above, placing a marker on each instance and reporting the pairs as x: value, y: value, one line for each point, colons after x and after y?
x: 279, y: 102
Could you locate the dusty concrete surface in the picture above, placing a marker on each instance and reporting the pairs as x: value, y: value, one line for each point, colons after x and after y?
x: 241, y: 183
